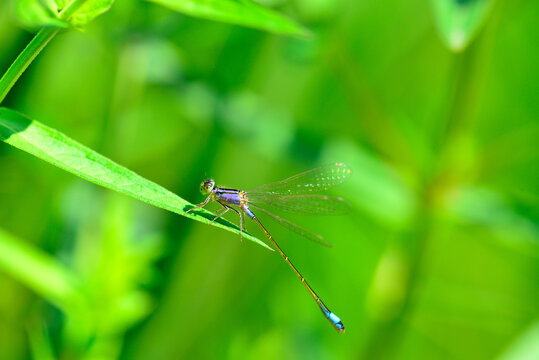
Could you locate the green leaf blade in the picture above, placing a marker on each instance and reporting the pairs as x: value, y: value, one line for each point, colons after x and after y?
x: 458, y: 21
x: 67, y: 154
x: 245, y: 13
x: 39, y: 271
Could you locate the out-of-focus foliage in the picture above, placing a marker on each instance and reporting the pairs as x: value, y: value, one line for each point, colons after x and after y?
x: 459, y: 20
x: 439, y: 259
x: 241, y: 12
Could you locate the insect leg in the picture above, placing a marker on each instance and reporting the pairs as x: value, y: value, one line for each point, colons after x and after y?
x: 201, y: 205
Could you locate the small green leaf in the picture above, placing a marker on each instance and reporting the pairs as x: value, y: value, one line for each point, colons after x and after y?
x: 65, y: 153
x: 60, y: 4
x: 239, y: 12
x: 89, y: 10
x: 36, y: 13
x: 47, y: 13
x: 458, y: 21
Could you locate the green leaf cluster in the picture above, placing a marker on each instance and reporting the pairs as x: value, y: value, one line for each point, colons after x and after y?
x: 51, y: 13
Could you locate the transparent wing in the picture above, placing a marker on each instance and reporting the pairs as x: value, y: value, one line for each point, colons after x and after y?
x: 308, y: 182
x: 295, y: 227
x: 314, y: 204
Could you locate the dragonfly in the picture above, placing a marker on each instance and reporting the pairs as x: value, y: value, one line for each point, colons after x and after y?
x: 299, y: 194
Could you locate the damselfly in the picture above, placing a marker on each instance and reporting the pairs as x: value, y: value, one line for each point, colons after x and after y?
x: 298, y: 194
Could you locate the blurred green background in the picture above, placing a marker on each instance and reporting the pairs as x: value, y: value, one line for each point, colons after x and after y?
x: 438, y: 260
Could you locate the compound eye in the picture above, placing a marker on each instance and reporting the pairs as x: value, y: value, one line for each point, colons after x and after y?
x: 207, y: 186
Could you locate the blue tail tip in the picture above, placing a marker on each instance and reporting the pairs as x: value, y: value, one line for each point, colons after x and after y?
x: 336, y: 321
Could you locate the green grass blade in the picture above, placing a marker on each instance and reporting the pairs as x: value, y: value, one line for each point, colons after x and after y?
x: 64, y: 152
x: 39, y: 271
x: 459, y: 21
x: 239, y: 12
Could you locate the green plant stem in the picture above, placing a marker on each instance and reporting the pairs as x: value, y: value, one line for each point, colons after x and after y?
x: 32, y: 50
x: 70, y: 9
x: 24, y: 59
